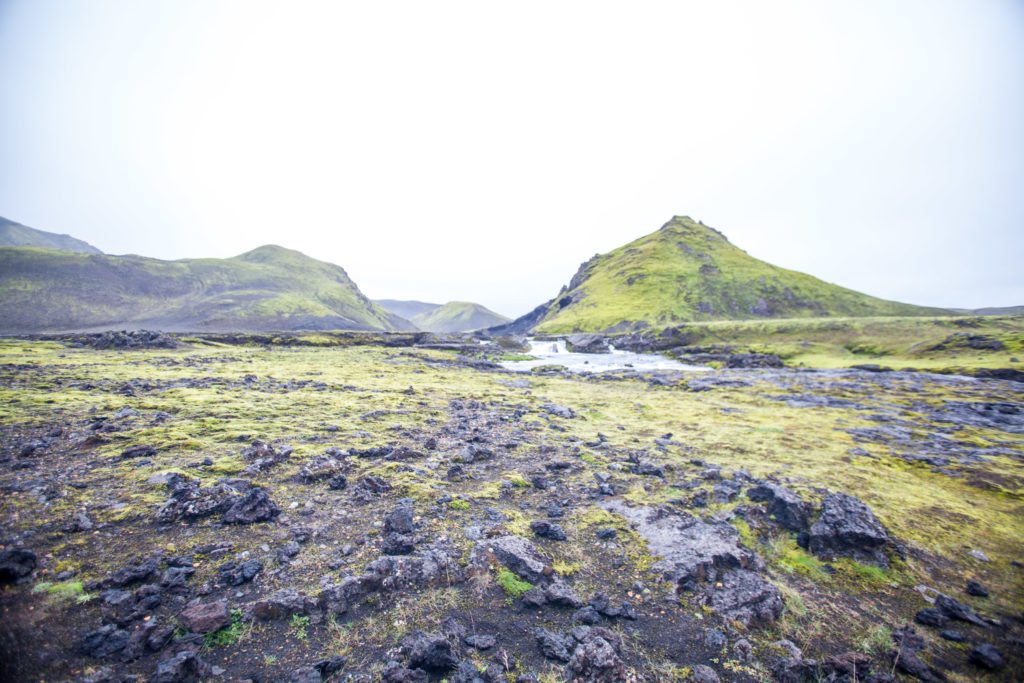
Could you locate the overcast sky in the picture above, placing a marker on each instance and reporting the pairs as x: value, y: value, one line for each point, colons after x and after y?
x: 481, y: 151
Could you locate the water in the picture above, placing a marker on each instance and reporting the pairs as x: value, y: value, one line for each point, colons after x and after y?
x: 554, y: 352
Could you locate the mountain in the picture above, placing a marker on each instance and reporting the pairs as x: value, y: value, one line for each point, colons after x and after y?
x: 454, y: 316
x: 458, y: 316
x: 687, y: 271
x: 994, y: 310
x: 269, y: 288
x: 406, y: 309
x: 17, y: 235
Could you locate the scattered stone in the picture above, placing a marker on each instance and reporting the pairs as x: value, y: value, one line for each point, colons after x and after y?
x: 561, y: 595
x: 702, y: 673
x: 481, y: 641
x: 558, y: 411
x: 986, y: 656
x: 280, y: 605
x: 321, y: 467
x: 930, y: 616
x: 953, y: 636
x: 978, y: 555
x: 517, y: 554
x: 183, y: 667
x: 848, y: 528
x: 976, y: 589
x: 315, y: 673
x: 548, y: 530
x: 205, y: 617
x: 237, y: 573
x: 139, y: 451
x: 697, y: 555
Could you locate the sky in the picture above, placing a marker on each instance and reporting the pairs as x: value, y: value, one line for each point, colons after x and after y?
x: 481, y: 151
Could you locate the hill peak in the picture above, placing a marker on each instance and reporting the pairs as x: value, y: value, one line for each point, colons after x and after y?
x: 688, y: 227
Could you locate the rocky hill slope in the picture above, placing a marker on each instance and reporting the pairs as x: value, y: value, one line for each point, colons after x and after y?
x: 687, y: 271
x: 17, y: 235
x: 269, y: 288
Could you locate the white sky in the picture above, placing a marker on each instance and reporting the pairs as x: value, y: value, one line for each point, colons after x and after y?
x: 481, y: 151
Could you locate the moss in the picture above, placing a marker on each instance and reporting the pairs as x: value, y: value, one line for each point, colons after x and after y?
x: 65, y: 591
x: 459, y: 504
x: 513, y: 586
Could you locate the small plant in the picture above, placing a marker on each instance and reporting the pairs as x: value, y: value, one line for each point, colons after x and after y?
x: 877, y: 641
x: 298, y: 625
x: 519, y: 481
x: 229, y: 635
x: 458, y: 504
x: 269, y: 660
x: 566, y: 568
x: 66, y: 591
x: 513, y: 586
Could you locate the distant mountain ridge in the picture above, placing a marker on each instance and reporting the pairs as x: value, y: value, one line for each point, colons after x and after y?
x: 17, y: 235
x: 687, y: 271
x: 454, y: 316
x: 269, y: 288
x: 406, y: 309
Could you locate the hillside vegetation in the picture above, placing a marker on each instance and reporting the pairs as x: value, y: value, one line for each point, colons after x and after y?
x: 269, y: 288
x: 687, y: 271
x: 458, y: 316
x: 17, y: 235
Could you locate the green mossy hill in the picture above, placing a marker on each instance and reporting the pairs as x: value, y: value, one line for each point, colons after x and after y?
x: 406, y: 309
x: 17, y: 235
x: 458, y: 316
x: 687, y: 271
x: 269, y: 288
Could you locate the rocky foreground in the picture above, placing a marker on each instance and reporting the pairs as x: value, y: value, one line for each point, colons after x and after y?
x: 216, y: 509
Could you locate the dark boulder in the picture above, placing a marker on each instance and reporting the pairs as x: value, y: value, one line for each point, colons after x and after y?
x: 481, y: 641
x: 139, y: 451
x: 596, y: 658
x: 976, y: 589
x: 104, y: 641
x: 554, y: 645
x: 954, y: 609
x: 254, y: 506
x: 788, y: 509
x: 400, y: 520
x: 16, y: 563
x: 929, y: 616
x: 398, y: 544
x: 183, y: 667
x: 548, y: 530
x: 848, y: 528
x: 986, y: 656
x: 317, y: 672
x: 237, y: 573
x: 745, y: 596
x: 586, y: 343
x: 432, y: 652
